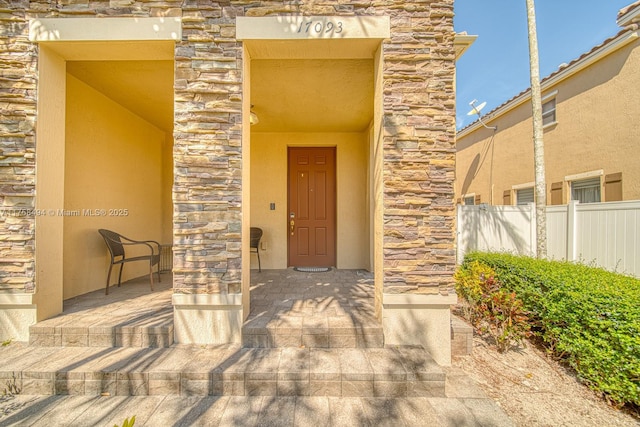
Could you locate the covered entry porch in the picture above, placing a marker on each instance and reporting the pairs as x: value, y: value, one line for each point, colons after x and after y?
x: 288, y: 309
x: 398, y: 202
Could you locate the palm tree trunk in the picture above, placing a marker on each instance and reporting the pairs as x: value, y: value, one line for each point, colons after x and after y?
x: 538, y: 143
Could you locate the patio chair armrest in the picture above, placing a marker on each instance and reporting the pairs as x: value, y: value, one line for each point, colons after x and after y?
x: 143, y: 242
x: 131, y: 241
x: 156, y: 243
x: 152, y: 241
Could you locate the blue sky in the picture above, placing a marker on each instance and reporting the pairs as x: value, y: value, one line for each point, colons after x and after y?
x: 496, y: 66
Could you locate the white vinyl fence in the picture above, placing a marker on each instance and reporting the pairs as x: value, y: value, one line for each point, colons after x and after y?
x: 602, y: 234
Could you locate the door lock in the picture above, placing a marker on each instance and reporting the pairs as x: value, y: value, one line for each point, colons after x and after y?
x: 292, y: 224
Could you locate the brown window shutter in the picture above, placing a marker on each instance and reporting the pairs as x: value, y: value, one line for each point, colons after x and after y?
x: 613, y: 187
x: 458, y: 201
x: 506, y: 197
x: 478, y: 199
x: 556, y: 193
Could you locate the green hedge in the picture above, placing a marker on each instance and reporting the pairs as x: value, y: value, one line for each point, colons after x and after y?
x: 586, y: 315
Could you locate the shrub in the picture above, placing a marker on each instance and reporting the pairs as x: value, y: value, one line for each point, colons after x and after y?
x: 588, y: 316
x: 469, y: 287
x: 490, y: 308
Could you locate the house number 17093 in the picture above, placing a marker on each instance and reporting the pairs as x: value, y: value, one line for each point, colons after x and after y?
x: 319, y: 27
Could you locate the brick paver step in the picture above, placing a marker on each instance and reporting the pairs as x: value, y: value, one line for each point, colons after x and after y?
x: 222, y: 370
x: 323, y: 310
x: 316, y: 331
x: 152, y: 328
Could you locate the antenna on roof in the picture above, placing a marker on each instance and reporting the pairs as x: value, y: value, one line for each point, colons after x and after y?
x: 476, y: 110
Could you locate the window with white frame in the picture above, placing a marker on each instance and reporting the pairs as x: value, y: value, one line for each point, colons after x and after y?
x: 469, y: 200
x: 549, y: 111
x: 524, y: 196
x: 586, y: 190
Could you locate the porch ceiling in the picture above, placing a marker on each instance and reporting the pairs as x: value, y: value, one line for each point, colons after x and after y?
x: 312, y: 95
x: 289, y: 95
x: 143, y: 87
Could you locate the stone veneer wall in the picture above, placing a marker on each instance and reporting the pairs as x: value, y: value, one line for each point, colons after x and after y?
x: 18, y: 80
x: 419, y: 134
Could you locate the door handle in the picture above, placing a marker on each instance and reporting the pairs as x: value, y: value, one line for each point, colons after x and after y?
x: 292, y: 223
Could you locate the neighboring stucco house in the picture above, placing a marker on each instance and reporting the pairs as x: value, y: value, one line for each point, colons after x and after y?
x: 591, y: 132
x: 135, y: 116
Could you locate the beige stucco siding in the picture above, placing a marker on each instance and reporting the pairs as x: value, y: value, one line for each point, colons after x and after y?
x: 476, y: 154
x: 114, y: 161
x: 597, y: 131
x: 269, y: 185
x: 598, y: 125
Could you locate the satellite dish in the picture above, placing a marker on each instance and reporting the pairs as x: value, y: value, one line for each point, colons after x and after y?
x: 476, y: 110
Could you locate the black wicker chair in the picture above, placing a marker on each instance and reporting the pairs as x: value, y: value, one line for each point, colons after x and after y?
x: 256, y: 235
x: 116, y: 244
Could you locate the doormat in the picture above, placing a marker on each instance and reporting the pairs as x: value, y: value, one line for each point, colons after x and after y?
x: 312, y: 269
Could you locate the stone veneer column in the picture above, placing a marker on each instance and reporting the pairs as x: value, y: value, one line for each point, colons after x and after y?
x: 18, y: 76
x: 208, y: 165
x: 419, y: 165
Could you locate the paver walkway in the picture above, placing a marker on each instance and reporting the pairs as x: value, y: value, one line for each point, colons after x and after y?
x: 313, y: 355
x: 248, y: 411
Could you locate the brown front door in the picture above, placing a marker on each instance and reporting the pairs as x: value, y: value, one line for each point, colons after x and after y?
x: 311, y: 223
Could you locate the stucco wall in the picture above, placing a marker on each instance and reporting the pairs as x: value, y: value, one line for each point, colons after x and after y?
x: 167, y: 190
x: 596, y: 129
x: 114, y: 162
x: 269, y: 184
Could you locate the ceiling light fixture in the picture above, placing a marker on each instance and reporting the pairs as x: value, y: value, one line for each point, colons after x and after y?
x: 253, y: 117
